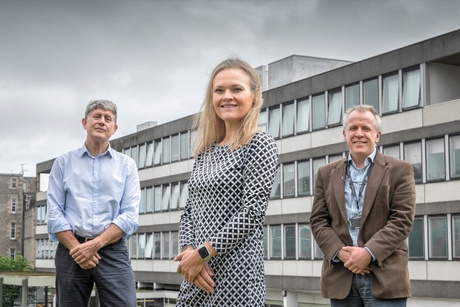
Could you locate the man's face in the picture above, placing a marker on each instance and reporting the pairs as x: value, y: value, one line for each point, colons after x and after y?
x: 361, y: 134
x: 100, y: 125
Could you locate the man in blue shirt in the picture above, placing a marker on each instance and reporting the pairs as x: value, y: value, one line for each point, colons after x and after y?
x: 93, y: 207
x: 362, y: 214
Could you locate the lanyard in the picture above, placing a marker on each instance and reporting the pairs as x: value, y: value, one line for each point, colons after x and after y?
x: 361, y: 188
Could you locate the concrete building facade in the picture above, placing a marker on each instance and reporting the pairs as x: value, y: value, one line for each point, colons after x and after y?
x: 416, y: 90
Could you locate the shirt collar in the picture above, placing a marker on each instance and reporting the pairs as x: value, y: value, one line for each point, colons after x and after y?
x: 370, y: 158
x: 84, y: 150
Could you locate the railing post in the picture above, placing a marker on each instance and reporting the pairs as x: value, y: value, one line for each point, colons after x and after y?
x: 1, y: 288
x: 25, y: 292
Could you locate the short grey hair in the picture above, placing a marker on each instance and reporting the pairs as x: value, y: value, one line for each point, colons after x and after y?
x: 101, y: 104
x: 364, y: 108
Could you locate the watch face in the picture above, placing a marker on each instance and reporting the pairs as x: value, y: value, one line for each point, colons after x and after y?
x: 203, y: 251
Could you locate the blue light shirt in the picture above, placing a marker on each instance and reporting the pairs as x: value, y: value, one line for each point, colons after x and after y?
x: 358, y: 176
x: 86, y: 194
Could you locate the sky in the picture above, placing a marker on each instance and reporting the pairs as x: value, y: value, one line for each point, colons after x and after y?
x: 153, y: 58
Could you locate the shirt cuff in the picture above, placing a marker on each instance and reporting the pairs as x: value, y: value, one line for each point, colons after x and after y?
x: 370, y: 252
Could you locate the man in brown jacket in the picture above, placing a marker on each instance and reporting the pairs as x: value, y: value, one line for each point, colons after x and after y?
x: 362, y: 214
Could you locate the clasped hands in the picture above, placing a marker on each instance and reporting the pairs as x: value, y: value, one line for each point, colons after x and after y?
x: 356, y: 259
x: 85, y: 255
x: 195, y: 270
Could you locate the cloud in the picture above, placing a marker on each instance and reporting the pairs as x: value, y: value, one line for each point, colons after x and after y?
x: 153, y: 58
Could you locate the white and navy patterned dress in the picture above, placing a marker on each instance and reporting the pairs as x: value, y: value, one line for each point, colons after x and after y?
x: 228, y: 197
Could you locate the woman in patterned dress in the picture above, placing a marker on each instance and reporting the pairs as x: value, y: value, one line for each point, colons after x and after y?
x: 235, y: 165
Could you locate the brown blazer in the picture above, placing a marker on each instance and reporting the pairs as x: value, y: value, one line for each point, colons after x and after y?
x: 386, y: 222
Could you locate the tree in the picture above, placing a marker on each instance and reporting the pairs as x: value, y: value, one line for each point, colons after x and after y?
x: 8, y: 264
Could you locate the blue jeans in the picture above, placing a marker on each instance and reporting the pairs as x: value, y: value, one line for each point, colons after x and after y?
x: 113, y: 276
x: 360, y: 295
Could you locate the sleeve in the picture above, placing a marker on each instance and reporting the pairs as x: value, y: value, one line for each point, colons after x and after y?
x: 401, y: 216
x: 56, y: 219
x: 186, y: 234
x: 259, y: 170
x: 128, y: 217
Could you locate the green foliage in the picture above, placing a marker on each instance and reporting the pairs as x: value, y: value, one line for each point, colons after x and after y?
x: 20, y: 264
x: 7, y: 264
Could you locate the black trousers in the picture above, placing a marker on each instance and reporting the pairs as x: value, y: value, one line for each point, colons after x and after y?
x: 113, y: 277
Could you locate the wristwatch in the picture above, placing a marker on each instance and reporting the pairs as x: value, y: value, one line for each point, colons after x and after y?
x: 203, y: 252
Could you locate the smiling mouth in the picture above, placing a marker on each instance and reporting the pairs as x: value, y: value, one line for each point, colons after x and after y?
x: 228, y: 106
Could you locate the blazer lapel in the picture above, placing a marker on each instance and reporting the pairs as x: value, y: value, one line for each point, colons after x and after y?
x: 375, y: 179
x: 338, y: 185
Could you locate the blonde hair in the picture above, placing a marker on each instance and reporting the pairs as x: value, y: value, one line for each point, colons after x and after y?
x: 210, y: 128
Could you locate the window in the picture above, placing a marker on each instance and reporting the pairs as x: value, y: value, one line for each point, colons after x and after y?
x: 149, y: 246
x: 303, y: 115
x: 184, y: 146
x: 335, y: 108
x: 288, y: 180
x: 265, y: 241
x: 413, y: 155
x: 192, y: 141
x: 455, y: 156
x: 371, y: 93
x: 13, y: 231
x: 13, y: 205
x: 149, y: 200
x: 165, y: 239
x: 437, y: 226
x: 133, y: 246
x: 288, y: 119
x: 166, y: 152
x: 416, y: 240
x: 183, y: 194
x: 275, y: 122
x: 166, y: 197
x: 351, y: 96
x: 141, y: 241
x: 142, y: 155
x: 289, y: 242
x: 14, y: 183
x: 157, y: 155
x: 143, y: 201
x: 175, y: 150
x: 40, y: 213
x: 149, y: 155
x: 392, y: 151
x: 317, y: 163
x: 436, y: 168
x: 262, y: 122
x: 304, y: 241
x: 456, y: 236
x: 303, y: 175
x: 319, y: 112
x: 275, y: 242
x: 175, y: 196
x: 276, y: 189
x: 411, y: 88
x: 174, y: 243
x: 157, y: 201
x: 390, y: 93
x: 135, y: 155
x: 157, y: 244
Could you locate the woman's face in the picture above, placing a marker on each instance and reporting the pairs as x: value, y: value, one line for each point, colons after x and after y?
x: 232, y: 96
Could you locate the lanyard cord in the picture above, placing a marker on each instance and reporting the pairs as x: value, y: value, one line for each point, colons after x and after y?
x: 363, y: 184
